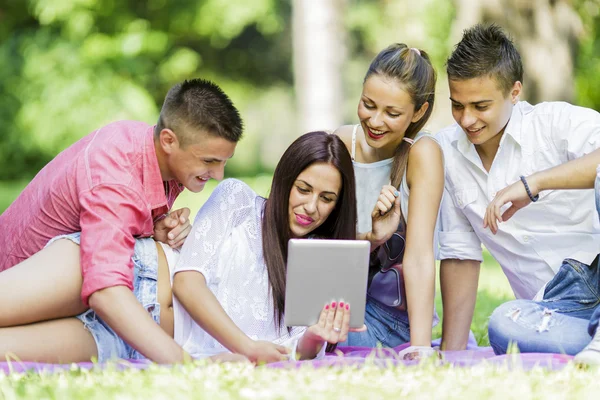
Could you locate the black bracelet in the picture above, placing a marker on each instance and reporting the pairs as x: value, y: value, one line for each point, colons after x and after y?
x: 531, y: 197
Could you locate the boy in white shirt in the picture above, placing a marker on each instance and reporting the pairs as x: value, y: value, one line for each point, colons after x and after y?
x: 548, y: 249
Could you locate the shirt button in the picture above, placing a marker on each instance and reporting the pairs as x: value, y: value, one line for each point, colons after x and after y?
x: 460, y: 203
x: 526, y: 239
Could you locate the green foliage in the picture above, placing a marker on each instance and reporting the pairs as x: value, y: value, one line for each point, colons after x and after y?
x: 588, y: 63
x: 71, y: 66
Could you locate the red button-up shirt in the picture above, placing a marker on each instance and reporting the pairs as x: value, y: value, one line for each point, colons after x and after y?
x: 107, y: 186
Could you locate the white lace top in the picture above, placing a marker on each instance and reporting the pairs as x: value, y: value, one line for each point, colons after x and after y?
x: 225, y: 245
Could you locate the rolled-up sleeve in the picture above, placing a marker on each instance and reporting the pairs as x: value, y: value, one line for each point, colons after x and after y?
x: 111, y: 217
x: 457, y: 238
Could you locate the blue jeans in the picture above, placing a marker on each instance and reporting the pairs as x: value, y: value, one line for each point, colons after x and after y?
x: 385, y: 325
x: 557, y: 324
x: 564, y: 321
x: 145, y: 283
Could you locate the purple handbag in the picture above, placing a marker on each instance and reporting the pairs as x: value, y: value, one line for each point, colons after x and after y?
x: 387, y: 283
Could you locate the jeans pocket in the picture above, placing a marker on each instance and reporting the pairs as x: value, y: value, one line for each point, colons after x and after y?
x: 575, y: 281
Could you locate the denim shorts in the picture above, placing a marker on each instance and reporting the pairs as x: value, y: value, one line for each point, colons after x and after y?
x: 597, y: 186
x: 145, y: 283
x: 386, y: 326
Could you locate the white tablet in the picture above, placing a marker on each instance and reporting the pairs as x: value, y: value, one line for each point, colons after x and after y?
x: 321, y: 271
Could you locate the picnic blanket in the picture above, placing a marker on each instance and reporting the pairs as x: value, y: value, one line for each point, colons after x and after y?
x: 344, y: 356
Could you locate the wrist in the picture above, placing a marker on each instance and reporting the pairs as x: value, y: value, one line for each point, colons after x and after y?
x: 375, y: 243
x: 532, y: 196
x: 536, y: 183
x: 308, y: 346
x: 245, y: 346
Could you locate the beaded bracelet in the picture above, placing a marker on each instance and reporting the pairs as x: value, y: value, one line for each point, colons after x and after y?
x: 531, y: 197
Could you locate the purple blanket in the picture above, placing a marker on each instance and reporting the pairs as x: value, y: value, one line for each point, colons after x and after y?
x: 349, y: 356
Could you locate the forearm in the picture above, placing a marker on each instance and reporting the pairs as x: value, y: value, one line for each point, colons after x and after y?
x: 575, y: 174
x: 419, y: 279
x: 192, y: 292
x: 119, y: 308
x: 458, y: 280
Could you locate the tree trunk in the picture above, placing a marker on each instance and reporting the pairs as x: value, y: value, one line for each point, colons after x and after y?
x: 318, y: 51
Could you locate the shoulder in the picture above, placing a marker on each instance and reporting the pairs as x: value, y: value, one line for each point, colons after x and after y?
x: 345, y: 133
x: 235, y: 191
x: 425, y: 157
x: 557, y: 110
x: 122, y: 132
x: 425, y: 146
x: 121, y: 139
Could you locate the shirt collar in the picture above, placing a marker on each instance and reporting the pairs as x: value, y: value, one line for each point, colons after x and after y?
x: 513, y: 128
x: 154, y: 188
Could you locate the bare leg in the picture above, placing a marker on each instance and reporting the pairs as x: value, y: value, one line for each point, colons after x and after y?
x: 59, y: 341
x: 45, y: 286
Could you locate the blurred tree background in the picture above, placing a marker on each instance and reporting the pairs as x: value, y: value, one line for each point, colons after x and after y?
x: 69, y: 66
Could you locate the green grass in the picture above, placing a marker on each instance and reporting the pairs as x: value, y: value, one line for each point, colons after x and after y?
x: 239, y: 381
x: 243, y: 381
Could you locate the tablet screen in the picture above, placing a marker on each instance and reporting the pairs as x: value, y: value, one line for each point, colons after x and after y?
x: 320, y: 271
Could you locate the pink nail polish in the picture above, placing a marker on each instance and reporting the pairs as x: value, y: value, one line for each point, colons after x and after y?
x: 341, y: 304
x: 333, y: 304
x: 347, y: 306
x: 327, y: 307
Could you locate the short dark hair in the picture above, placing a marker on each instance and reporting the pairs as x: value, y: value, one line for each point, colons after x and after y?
x: 485, y: 50
x: 308, y: 149
x: 199, y: 104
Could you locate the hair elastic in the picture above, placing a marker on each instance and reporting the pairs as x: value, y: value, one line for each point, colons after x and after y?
x: 416, y: 50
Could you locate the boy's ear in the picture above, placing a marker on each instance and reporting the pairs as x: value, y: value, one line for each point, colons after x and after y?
x: 419, y: 114
x: 168, y: 140
x: 515, y: 92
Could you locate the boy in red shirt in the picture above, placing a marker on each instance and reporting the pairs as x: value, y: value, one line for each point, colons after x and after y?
x: 113, y: 185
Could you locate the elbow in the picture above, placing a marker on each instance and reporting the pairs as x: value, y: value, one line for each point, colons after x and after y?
x: 101, y: 300
x: 178, y: 283
x: 188, y: 282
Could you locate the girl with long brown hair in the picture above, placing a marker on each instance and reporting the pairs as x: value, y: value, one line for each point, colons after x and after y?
x: 393, y: 158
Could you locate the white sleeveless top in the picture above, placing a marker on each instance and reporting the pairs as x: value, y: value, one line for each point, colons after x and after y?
x: 371, y: 177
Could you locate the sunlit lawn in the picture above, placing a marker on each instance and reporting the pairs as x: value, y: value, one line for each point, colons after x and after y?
x: 243, y: 381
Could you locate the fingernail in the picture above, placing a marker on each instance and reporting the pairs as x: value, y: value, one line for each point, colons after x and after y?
x: 170, y: 236
x: 327, y: 307
x: 347, y: 306
x: 333, y: 303
x: 341, y: 304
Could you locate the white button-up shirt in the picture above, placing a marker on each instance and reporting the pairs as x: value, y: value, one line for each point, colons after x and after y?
x: 530, y: 246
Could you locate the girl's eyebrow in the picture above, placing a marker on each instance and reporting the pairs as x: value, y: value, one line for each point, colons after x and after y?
x: 310, y: 186
x: 397, y: 108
